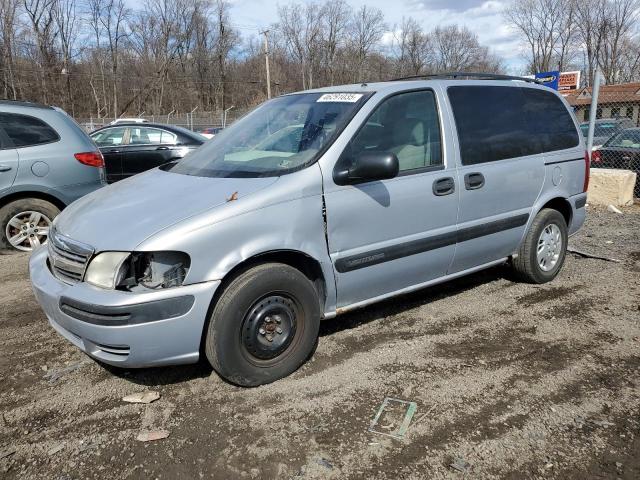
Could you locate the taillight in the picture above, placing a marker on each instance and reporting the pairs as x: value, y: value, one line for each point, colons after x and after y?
x: 596, y: 156
x: 587, y: 169
x: 93, y: 159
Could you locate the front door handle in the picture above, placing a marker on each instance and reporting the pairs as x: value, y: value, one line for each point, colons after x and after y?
x: 444, y: 186
x: 473, y: 181
x: 4, y: 168
x: 162, y: 148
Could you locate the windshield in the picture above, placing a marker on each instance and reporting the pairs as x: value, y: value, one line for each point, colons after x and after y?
x: 282, y: 135
x: 626, y: 139
x: 600, y: 129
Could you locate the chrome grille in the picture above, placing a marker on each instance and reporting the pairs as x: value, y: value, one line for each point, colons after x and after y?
x: 68, y: 258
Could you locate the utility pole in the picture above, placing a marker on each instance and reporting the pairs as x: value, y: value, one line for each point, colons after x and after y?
x: 266, y: 59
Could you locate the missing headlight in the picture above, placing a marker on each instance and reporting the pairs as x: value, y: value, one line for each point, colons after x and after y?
x: 155, y: 270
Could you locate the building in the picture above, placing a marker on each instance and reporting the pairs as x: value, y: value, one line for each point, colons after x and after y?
x: 621, y: 100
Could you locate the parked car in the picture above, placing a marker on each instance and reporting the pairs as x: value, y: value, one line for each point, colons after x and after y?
x: 131, y: 148
x: 604, y: 129
x: 621, y: 151
x: 210, y: 132
x: 46, y: 162
x: 129, y: 120
x: 393, y: 187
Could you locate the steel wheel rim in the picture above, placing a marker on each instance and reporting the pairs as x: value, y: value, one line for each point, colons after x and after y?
x: 28, y: 230
x: 549, y: 248
x: 270, y: 326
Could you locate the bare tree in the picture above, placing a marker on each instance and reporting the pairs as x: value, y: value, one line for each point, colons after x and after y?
x: 108, y: 57
x: 225, y: 39
x: 415, y: 51
x: 301, y: 27
x: 457, y: 49
x: 113, y: 16
x: 547, y: 27
x: 65, y: 16
x: 591, y: 21
x: 41, y: 17
x: 8, y: 15
x: 621, y: 17
x: 366, y: 29
x: 335, y: 18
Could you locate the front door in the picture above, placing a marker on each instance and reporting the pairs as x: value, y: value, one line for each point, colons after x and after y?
x: 390, y: 235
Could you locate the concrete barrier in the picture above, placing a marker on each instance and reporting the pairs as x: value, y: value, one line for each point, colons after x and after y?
x: 609, y: 186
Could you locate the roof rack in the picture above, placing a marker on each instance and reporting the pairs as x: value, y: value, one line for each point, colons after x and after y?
x: 468, y: 75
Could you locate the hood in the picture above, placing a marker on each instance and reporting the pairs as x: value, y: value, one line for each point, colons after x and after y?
x: 123, y: 215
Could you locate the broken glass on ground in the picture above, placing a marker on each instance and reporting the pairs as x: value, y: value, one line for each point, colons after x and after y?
x: 393, y: 417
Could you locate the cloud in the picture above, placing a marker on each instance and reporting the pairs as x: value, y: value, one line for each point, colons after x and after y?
x: 454, y: 5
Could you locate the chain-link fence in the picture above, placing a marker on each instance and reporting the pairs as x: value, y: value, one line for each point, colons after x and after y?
x: 196, y: 121
x: 616, y: 129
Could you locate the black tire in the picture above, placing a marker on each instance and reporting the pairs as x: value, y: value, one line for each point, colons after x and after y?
x: 11, y: 209
x: 526, y: 264
x: 234, y: 345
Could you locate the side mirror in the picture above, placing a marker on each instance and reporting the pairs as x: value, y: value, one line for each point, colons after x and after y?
x: 369, y: 166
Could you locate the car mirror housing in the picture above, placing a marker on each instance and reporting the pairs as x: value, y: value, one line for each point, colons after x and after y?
x: 369, y: 166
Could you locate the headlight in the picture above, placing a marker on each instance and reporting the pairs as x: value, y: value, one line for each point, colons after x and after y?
x: 105, y: 270
x: 138, y: 271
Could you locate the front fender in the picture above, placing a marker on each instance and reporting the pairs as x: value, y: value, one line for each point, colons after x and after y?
x: 268, y: 222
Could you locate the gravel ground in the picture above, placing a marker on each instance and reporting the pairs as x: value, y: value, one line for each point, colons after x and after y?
x: 510, y: 381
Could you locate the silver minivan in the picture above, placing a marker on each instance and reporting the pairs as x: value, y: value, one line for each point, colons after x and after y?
x: 314, y: 204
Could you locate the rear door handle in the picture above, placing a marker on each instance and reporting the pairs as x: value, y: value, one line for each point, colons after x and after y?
x: 113, y: 151
x: 4, y: 168
x: 162, y: 148
x: 444, y: 186
x: 473, y: 181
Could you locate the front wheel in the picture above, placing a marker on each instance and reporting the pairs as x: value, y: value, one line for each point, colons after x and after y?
x: 543, y: 250
x: 264, y: 325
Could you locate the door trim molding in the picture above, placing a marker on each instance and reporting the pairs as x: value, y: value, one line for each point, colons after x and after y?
x: 565, y: 161
x: 421, y: 245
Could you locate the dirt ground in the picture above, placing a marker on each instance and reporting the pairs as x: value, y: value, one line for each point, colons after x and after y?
x: 510, y: 381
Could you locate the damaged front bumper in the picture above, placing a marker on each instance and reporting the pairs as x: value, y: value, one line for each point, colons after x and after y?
x: 124, y: 329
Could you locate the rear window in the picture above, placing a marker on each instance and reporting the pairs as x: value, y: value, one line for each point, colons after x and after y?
x: 25, y: 131
x: 497, y: 123
x: 550, y: 121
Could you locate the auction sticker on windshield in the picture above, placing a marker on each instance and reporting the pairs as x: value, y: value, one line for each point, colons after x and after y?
x: 340, y: 97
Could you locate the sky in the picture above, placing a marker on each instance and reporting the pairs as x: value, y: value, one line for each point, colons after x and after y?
x: 483, y: 17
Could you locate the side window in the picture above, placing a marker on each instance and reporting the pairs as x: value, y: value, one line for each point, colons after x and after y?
x: 109, y: 137
x: 26, y: 131
x: 405, y: 124
x: 490, y: 123
x: 549, y: 120
x: 144, y: 136
x: 168, y: 138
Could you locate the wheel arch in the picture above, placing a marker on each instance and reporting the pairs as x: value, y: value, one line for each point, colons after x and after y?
x: 26, y: 194
x: 299, y: 260
x: 560, y: 204
x: 555, y: 202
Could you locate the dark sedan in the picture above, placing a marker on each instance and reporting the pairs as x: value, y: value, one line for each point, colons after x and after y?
x: 621, y: 151
x: 130, y: 148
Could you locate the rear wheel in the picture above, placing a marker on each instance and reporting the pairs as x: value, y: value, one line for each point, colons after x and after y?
x: 543, y: 250
x: 264, y: 325
x: 25, y: 223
